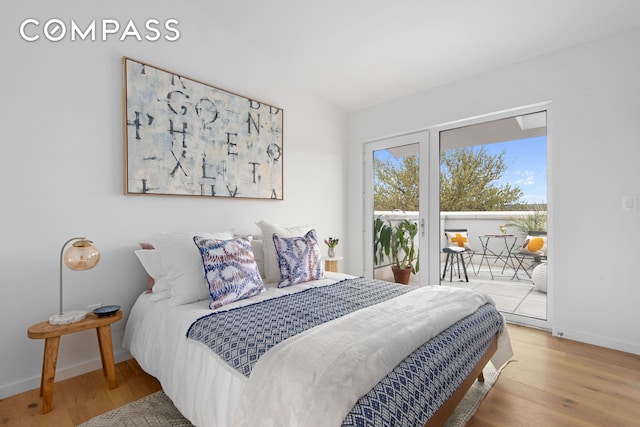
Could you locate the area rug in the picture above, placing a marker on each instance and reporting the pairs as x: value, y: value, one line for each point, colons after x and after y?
x: 156, y: 410
x: 472, y: 400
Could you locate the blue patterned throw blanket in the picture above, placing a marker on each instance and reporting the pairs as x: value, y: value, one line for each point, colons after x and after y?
x: 416, y: 388
x: 240, y: 336
x: 409, y: 395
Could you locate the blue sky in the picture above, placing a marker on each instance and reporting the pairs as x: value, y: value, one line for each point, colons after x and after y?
x: 526, y: 161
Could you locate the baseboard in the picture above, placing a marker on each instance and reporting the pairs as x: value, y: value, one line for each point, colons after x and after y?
x: 527, y: 321
x: 61, y: 374
x: 597, y: 340
x: 574, y: 335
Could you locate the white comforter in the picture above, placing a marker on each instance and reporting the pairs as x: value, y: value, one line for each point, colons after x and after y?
x: 315, y: 377
x: 203, y: 387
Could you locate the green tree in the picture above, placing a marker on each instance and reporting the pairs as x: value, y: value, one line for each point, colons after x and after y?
x: 468, y: 181
x: 396, y: 184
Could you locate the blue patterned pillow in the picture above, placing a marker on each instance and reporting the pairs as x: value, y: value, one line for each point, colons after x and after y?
x: 230, y: 270
x: 298, y: 258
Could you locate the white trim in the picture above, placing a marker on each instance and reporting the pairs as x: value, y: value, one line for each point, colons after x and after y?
x: 598, y: 340
x: 433, y: 212
x: 533, y: 108
x: 503, y: 114
x: 550, y: 218
x: 528, y: 320
x: 421, y: 138
x: 61, y: 374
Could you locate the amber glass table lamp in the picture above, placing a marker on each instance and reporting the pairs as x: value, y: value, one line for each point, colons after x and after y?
x: 81, y: 255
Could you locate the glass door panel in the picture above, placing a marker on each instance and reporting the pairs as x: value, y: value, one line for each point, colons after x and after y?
x: 393, y: 185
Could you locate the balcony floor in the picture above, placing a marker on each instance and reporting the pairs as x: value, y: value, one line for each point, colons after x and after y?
x: 511, y: 296
x: 516, y: 296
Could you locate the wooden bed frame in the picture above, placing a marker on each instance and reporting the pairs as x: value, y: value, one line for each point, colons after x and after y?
x: 444, y: 412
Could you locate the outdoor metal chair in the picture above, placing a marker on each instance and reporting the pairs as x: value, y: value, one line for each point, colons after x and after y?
x: 534, y: 249
x: 456, y: 250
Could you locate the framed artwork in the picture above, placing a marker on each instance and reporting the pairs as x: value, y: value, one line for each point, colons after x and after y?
x: 184, y: 137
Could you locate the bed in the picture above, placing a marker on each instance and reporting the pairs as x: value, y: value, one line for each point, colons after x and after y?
x: 335, y: 350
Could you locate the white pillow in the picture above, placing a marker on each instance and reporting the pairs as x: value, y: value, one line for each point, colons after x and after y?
x: 534, y: 245
x: 182, y: 262
x: 271, y: 266
x: 458, y: 239
x: 150, y: 260
x: 257, y: 245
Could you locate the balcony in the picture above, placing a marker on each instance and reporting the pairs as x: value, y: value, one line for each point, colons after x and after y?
x: 513, y: 294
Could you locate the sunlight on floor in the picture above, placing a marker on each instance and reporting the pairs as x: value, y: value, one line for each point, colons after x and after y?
x: 517, y: 296
x: 511, y: 296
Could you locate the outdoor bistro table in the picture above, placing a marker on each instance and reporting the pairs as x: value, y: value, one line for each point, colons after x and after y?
x: 498, y: 252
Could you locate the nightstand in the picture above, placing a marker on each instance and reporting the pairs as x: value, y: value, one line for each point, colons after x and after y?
x: 331, y: 264
x: 52, y: 333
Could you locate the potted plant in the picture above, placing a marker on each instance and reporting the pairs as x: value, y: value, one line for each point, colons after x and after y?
x: 536, y: 220
x: 396, y: 242
x: 331, y: 242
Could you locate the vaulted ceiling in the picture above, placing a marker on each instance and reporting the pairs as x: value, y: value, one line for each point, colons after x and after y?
x: 359, y: 53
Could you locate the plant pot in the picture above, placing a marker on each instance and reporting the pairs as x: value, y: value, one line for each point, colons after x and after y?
x: 401, y: 275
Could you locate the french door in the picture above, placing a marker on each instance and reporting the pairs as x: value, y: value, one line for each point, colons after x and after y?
x: 427, y: 144
x: 522, y: 136
x: 394, y: 151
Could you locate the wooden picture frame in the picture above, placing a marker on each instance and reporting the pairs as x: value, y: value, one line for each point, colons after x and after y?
x: 187, y: 138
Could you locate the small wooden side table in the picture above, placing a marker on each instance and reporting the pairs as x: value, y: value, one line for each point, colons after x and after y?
x: 331, y: 264
x: 51, y: 334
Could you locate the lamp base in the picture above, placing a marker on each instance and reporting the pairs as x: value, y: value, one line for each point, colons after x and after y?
x: 67, y: 317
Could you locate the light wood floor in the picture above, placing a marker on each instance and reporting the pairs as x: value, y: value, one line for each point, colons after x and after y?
x: 557, y: 382
x: 78, y: 399
x: 552, y: 382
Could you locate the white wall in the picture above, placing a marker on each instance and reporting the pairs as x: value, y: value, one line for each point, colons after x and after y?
x: 594, y: 152
x: 62, y: 169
